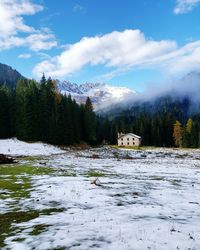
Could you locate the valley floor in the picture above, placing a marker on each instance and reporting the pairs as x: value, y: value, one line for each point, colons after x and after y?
x: 145, y: 199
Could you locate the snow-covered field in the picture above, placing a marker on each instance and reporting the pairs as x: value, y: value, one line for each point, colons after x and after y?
x: 145, y: 200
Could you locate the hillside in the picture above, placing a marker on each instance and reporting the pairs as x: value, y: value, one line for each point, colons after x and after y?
x: 9, y: 75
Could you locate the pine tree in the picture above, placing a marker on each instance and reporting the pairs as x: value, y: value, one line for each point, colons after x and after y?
x: 89, y: 125
x: 20, y: 109
x: 198, y: 141
x: 5, y: 112
x: 31, y: 108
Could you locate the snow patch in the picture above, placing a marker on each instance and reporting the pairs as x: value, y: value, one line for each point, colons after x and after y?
x: 15, y: 147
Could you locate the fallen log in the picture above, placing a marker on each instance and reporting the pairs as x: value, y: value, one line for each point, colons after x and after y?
x: 6, y: 159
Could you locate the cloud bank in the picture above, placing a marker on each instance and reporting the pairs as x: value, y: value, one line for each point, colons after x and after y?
x: 118, y: 50
x: 121, y: 52
x: 14, y: 32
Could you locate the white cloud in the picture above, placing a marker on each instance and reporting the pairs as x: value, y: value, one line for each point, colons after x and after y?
x: 9, y: 42
x: 121, y: 52
x: 35, y: 42
x: 43, y: 56
x: 78, y: 7
x: 14, y: 32
x: 117, y: 50
x: 41, y: 41
x: 24, y: 56
x: 11, y: 12
x: 184, y: 60
x: 184, y: 6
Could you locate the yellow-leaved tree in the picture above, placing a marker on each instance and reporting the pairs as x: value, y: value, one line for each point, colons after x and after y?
x: 178, y: 134
x: 189, y: 126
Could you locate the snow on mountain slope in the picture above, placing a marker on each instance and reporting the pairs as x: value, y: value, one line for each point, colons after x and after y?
x: 102, y: 95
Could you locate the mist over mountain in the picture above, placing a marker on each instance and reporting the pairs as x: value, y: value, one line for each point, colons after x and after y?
x: 187, y: 86
x: 9, y: 75
x: 184, y: 92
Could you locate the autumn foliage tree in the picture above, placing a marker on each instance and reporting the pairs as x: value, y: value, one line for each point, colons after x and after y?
x: 187, y: 133
x: 178, y: 134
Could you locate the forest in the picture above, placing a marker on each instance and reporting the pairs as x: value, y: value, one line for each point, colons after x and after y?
x: 34, y: 111
x: 37, y: 111
x: 163, y: 122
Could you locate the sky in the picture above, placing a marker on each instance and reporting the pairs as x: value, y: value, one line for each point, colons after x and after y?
x: 131, y: 43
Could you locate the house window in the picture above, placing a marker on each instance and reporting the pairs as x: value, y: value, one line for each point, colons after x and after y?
x: 127, y: 139
x: 133, y: 139
x: 127, y: 143
x: 122, y: 143
x: 122, y: 139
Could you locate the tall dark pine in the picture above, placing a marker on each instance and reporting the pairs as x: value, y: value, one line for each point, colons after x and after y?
x: 20, y: 109
x: 89, y: 123
x: 5, y: 112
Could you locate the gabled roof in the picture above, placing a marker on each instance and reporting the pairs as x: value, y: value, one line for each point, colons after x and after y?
x: 131, y: 134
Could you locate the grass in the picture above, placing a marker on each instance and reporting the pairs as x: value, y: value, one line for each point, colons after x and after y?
x: 15, y: 180
x: 25, y: 169
x: 16, y: 185
x: 9, y: 221
x: 93, y: 173
x: 15, y: 188
x: 134, y: 147
x: 38, y: 229
x: 31, y: 158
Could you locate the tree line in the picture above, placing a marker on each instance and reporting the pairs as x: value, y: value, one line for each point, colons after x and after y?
x: 187, y: 135
x: 167, y: 122
x: 39, y: 112
x: 33, y: 111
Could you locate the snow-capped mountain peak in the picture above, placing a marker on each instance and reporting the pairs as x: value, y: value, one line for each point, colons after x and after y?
x: 101, y: 94
x: 66, y: 86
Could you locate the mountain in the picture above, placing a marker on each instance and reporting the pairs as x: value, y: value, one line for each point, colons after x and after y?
x: 103, y: 96
x: 9, y: 75
x: 113, y: 100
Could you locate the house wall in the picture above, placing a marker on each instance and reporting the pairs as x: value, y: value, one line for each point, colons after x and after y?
x: 128, y: 140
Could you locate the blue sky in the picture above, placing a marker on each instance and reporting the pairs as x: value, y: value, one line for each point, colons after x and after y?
x: 131, y: 43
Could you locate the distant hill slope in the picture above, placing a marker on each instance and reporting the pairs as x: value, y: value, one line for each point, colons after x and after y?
x: 9, y: 75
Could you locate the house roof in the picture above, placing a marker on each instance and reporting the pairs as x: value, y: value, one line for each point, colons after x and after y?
x: 131, y: 134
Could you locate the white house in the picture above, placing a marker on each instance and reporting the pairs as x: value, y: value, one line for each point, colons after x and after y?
x: 129, y: 139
